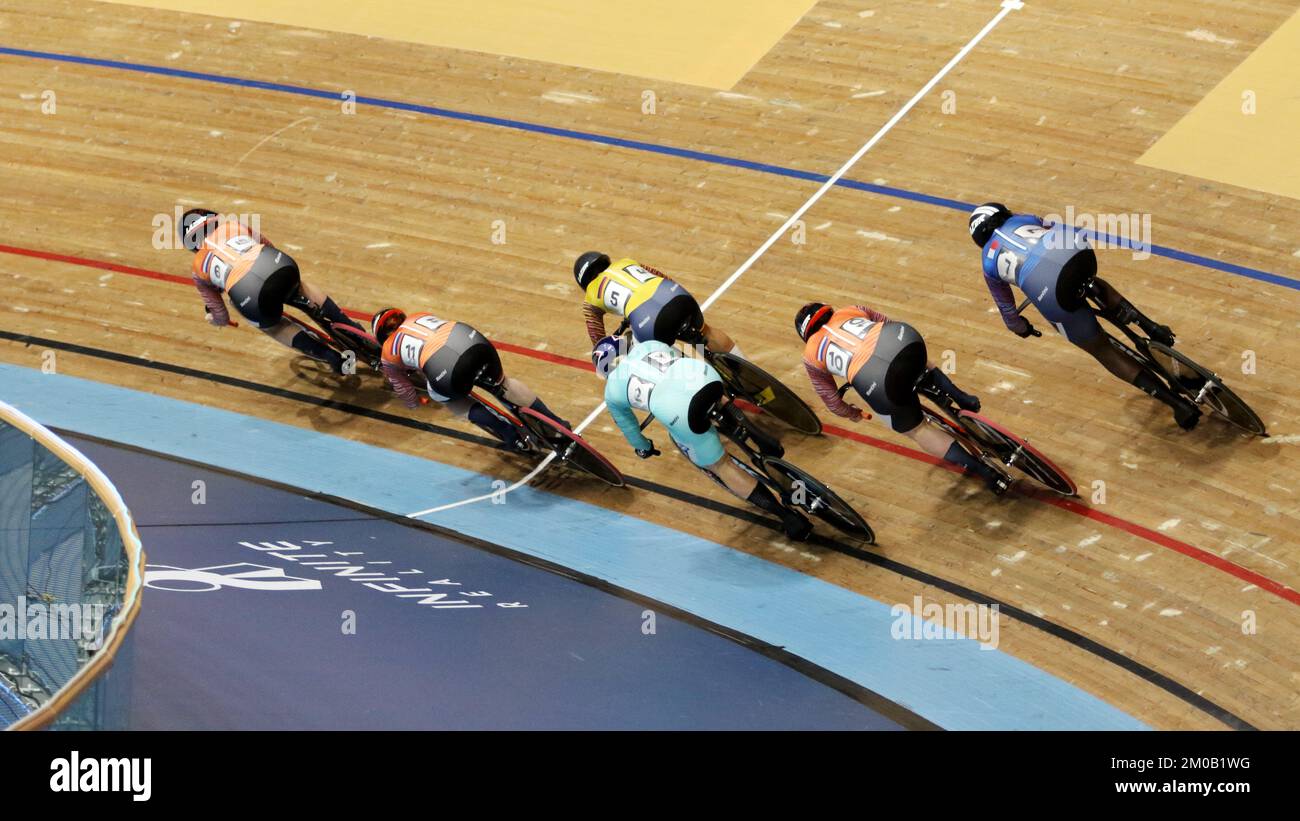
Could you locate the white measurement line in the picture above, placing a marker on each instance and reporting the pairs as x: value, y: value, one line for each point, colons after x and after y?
x: 1008, y: 6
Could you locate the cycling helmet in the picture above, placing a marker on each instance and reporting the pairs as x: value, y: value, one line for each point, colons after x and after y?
x: 196, y: 225
x: 604, y: 355
x: 811, y: 317
x: 385, y: 321
x: 588, y: 266
x: 986, y: 219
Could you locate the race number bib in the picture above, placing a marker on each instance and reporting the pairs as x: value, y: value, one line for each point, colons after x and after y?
x: 616, y: 297
x: 218, y: 270
x: 661, y: 360
x: 430, y: 322
x: 1008, y: 266
x: 638, y: 273
x: 638, y: 392
x: 241, y: 244
x: 837, y: 360
x: 409, y: 348
x: 858, y: 326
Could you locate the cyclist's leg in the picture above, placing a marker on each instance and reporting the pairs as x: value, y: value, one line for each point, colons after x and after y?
x: 744, y: 486
x: 897, y: 363
x: 291, y: 335
x: 328, y: 307
x: 718, y: 341
x: 523, y: 396
x: 1120, y: 311
x: 484, y: 419
x: 1186, y: 414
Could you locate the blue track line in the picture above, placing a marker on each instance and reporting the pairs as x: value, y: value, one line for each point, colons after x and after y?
x: 618, y: 142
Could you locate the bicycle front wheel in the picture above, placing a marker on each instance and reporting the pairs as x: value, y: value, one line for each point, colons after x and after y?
x: 1015, y: 452
x: 1208, y: 389
x: 752, y: 383
x: 815, y: 497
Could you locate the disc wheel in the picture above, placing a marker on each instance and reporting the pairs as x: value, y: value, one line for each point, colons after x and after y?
x: 816, y: 498
x: 1016, y: 453
x: 571, y: 448
x: 1208, y: 388
x: 765, y: 391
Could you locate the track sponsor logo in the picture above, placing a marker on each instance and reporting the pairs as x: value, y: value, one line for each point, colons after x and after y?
x: 242, y: 575
x: 411, y: 584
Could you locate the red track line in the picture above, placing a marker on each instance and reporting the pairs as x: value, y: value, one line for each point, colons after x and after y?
x: 1071, y: 505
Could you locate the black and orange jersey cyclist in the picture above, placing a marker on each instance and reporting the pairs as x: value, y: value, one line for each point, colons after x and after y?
x: 885, y: 362
x: 452, y: 357
x: 655, y: 306
x: 231, y: 258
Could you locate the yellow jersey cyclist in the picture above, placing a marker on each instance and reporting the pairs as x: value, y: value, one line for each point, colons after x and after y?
x: 682, y: 392
x: 655, y: 306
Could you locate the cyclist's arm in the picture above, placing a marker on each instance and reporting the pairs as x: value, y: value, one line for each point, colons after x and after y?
x: 1005, y: 299
x: 824, y: 384
x: 874, y: 316
x: 212, y: 300
x: 626, y: 421
x: 595, y: 322
x: 402, y: 385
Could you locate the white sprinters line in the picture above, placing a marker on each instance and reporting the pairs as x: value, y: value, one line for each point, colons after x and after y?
x: 541, y: 466
x: 1008, y: 6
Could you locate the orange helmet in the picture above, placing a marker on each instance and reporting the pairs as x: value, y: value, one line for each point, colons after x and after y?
x: 385, y: 321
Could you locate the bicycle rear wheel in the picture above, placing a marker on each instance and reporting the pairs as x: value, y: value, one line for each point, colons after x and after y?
x: 1208, y: 389
x: 759, y: 387
x: 571, y: 448
x: 1015, y: 452
x: 811, y: 495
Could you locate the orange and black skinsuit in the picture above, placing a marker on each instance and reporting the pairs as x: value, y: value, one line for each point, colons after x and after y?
x: 258, y: 278
x: 885, y: 362
x: 453, y: 357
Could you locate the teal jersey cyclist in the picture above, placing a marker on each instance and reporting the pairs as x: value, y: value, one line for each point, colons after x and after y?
x: 681, y: 393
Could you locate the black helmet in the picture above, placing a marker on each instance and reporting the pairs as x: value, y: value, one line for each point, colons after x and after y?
x: 195, y: 226
x: 986, y: 219
x: 811, y: 317
x: 588, y: 266
x: 385, y: 321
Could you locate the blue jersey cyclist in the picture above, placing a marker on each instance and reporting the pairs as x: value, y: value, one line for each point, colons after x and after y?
x: 1056, y: 267
x: 682, y: 393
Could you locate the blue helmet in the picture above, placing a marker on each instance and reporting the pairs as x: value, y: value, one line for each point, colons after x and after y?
x: 606, y: 352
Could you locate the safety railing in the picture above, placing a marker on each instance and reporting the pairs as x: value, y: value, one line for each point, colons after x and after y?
x: 71, y: 572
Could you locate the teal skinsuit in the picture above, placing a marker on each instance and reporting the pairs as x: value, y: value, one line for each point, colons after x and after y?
x: 658, y: 378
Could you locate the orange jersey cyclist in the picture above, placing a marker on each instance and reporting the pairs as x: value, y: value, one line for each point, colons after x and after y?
x: 232, y: 259
x: 654, y: 306
x: 452, y: 358
x: 884, y: 361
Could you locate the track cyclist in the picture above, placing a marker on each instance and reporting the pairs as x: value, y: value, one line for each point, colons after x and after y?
x: 453, y: 358
x: 232, y: 259
x: 654, y: 305
x: 682, y: 392
x: 1055, y: 267
x: 885, y: 362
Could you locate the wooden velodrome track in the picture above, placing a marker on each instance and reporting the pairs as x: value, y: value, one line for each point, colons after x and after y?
x: 1128, y: 599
